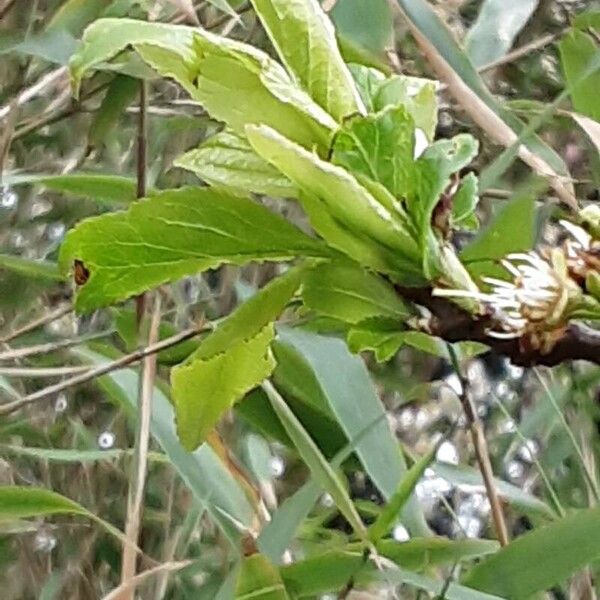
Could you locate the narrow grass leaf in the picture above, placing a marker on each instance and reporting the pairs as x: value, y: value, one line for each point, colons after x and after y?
x: 345, y: 383
x: 496, y: 26
x: 393, y: 508
x: 258, y: 579
x: 316, y: 462
x: 35, y: 269
x: 21, y: 502
x: 541, y: 558
x: 208, y: 479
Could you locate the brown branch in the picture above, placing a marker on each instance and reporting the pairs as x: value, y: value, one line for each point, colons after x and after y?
x: 453, y: 324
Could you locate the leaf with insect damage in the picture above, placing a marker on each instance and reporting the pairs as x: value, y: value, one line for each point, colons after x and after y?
x: 171, y: 235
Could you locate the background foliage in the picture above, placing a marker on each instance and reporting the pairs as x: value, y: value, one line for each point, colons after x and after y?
x: 276, y: 490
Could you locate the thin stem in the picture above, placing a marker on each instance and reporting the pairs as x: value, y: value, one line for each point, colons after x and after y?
x: 40, y: 322
x: 33, y: 372
x: 142, y: 139
x: 517, y: 53
x: 481, y: 451
x: 555, y: 501
x: 588, y: 476
x: 140, y: 464
x: 109, y: 367
x: 18, y: 353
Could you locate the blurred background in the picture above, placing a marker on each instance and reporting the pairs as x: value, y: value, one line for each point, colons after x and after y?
x: 542, y: 425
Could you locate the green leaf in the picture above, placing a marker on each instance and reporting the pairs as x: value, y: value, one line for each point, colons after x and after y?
x: 438, y: 588
x: 587, y: 19
x: 330, y: 571
x: 450, y: 156
x: 419, y: 554
x: 21, y: 502
x: 367, y: 26
x: 54, y: 45
x: 205, y: 388
x: 388, y: 517
x: 347, y: 202
x: 379, y: 146
x: 229, y: 362
x: 256, y: 410
x: 235, y: 82
x: 305, y: 41
x: 350, y: 293
x: 512, y: 229
x: 80, y: 456
x: 316, y: 462
x: 106, y: 38
x: 227, y: 159
x: 208, y: 479
x: 465, y: 202
x: 74, y: 15
x: 577, y: 52
x: 356, y: 245
x: 417, y: 95
x: 258, y: 579
x: 422, y: 16
x: 277, y: 534
x: 174, y: 234
x: 541, y: 558
x: 494, y: 31
x: 105, y: 189
x: 385, y: 337
x: 513, y: 495
x: 345, y: 384
x: 325, y: 572
x: 120, y: 93
x: 126, y: 323
x: 35, y: 269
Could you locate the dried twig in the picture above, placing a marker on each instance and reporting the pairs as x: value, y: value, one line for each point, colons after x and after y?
x: 33, y: 372
x: 524, y: 50
x: 130, y: 585
x: 140, y: 463
x: 109, y: 367
x: 487, y: 119
x: 36, y: 323
x: 38, y: 88
x: 18, y: 353
x: 481, y: 452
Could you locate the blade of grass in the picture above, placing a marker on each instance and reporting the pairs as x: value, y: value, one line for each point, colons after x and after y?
x: 586, y: 472
x: 316, y: 462
x: 553, y: 497
x: 277, y: 533
x: 455, y: 69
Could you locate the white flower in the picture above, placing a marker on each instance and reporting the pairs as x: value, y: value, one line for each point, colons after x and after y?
x: 535, y: 299
x: 582, y: 241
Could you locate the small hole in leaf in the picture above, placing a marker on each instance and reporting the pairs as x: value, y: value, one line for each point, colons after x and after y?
x: 80, y: 272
